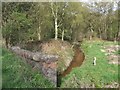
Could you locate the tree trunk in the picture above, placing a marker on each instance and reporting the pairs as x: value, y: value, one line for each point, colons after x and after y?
x: 91, y: 31
x: 6, y: 42
x: 56, y: 29
x: 63, y: 32
x: 105, y: 29
x: 35, y: 56
x: 54, y: 12
x: 39, y: 36
x: 39, y: 32
x: 100, y: 33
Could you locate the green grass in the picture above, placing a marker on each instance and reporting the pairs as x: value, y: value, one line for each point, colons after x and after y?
x: 87, y: 75
x: 16, y: 73
x: 117, y: 52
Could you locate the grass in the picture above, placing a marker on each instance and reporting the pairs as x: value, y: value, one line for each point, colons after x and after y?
x: 18, y: 74
x: 117, y: 52
x: 88, y: 75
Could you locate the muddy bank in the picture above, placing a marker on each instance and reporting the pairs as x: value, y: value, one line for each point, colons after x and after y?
x: 76, y: 61
x: 53, y: 58
x: 45, y: 63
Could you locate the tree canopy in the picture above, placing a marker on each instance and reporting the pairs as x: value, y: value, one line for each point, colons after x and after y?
x: 27, y: 21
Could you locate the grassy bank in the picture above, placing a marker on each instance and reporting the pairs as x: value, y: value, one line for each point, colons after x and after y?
x: 92, y: 76
x: 18, y: 74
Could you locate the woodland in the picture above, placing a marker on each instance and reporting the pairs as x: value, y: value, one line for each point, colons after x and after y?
x: 71, y: 21
x: 60, y: 44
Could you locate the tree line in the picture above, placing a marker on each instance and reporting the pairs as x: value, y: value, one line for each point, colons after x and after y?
x: 72, y: 21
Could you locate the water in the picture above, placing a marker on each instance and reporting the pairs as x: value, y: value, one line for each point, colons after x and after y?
x: 76, y: 62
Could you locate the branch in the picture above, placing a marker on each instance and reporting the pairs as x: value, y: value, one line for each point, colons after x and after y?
x: 52, y: 9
